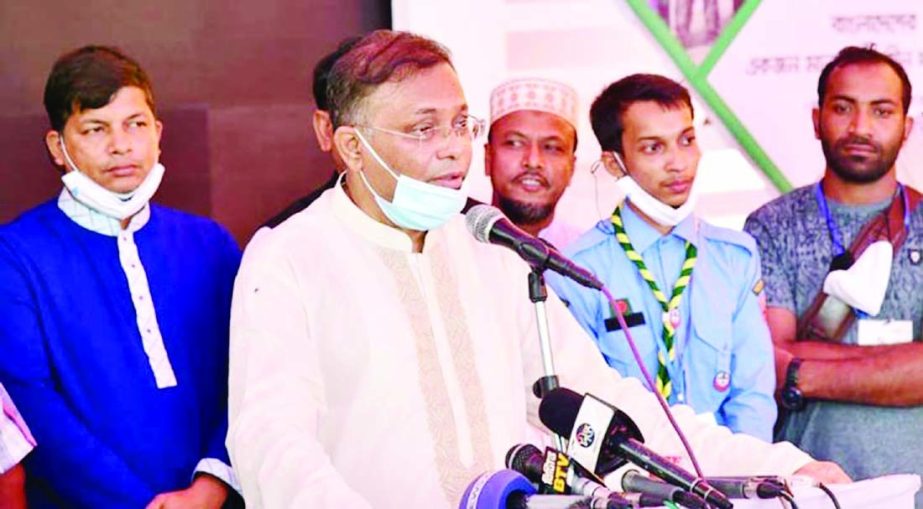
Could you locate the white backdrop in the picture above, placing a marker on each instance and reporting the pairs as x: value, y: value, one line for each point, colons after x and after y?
x: 767, y: 76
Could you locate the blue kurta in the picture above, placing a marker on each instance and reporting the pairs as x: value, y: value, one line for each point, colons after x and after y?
x: 72, y: 356
x: 724, y: 360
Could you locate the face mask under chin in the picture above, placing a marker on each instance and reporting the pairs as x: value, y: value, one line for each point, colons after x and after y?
x: 647, y: 203
x: 118, y: 206
x: 416, y: 205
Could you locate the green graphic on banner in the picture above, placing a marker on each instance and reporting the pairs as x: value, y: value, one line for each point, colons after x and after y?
x: 697, y: 76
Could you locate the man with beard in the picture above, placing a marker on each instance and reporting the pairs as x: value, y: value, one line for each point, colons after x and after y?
x: 850, y: 381
x: 529, y: 154
x: 689, y: 290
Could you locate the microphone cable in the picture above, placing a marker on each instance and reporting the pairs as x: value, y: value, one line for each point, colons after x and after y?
x: 788, y: 497
x: 830, y: 495
x: 650, y: 382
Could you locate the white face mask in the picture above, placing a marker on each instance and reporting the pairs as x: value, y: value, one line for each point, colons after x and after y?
x: 416, y: 205
x: 653, y: 208
x: 115, y: 205
x: 864, y: 284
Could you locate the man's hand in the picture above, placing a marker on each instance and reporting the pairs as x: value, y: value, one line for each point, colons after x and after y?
x: 826, y: 472
x: 206, y: 492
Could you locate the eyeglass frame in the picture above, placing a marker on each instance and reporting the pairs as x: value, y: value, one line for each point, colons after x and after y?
x: 472, y: 130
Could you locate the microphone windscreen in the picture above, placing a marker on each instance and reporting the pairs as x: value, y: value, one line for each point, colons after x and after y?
x: 495, y: 489
x: 517, y: 458
x: 480, y: 219
x: 558, y: 410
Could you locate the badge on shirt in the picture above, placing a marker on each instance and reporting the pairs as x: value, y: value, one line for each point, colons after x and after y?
x: 884, y: 332
x: 915, y: 256
x: 758, y: 287
x: 672, y: 317
x: 722, y: 381
x: 631, y: 319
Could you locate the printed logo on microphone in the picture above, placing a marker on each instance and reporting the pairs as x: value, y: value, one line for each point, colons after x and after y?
x: 554, y: 472
x: 589, y: 431
x: 585, y: 435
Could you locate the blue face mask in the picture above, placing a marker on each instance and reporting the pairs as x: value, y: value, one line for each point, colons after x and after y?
x: 416, y: 205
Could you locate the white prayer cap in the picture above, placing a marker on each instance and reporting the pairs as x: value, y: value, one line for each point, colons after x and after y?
x: 537, y: 94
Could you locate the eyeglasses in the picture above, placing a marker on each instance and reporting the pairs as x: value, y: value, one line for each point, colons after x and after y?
x: 468, y: 126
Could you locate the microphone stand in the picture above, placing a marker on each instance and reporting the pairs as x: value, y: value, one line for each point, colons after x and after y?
x: 538, y: 294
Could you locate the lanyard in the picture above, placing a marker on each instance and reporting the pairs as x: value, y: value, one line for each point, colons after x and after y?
x: 838, y: 247
x: 670, y: 308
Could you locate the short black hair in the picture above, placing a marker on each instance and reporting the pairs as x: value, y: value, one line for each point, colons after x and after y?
x: 322, y: 71
x: 378, y: 57
x: 852, y: 55
x: 88, y: 78
x: 608, y: 108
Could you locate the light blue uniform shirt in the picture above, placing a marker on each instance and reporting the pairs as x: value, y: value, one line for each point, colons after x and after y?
x: 724, y: 357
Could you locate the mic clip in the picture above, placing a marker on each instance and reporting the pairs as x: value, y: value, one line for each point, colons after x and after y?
x: 544, y: 385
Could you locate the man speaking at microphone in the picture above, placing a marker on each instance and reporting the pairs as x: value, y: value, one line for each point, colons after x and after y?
x: 380, y: 356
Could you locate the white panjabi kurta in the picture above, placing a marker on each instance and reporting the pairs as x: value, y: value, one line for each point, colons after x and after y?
x: 366, y: 375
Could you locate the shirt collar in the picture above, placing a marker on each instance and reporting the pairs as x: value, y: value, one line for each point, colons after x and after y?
x: 643, y: 235
x: 366, y: 226
x: 96, y: 221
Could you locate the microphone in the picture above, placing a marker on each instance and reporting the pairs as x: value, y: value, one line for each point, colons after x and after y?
x: 489, y: 225
x: 529, y: 461
x: 554, y: 472
x: 506, y: 489
x: 660, y: 491
x: 749, y: 487
x: 593, y: 441
x: 559, y: 411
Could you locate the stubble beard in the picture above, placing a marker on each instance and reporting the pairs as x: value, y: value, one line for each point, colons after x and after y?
x: 858, y: 170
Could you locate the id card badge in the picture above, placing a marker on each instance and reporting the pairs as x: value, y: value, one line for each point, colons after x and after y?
x: 884, y: 332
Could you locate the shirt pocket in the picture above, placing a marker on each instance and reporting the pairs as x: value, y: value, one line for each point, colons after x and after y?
x: 617, y: 352
x: 708, y: 355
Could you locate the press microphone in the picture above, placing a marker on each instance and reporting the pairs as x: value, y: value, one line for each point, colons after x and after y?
x: 554, y: 472
x: 489, y: 225
x: 506, y: 489
x: 635, y: 481
x: 619, y: 438
x: 593, y: 441
x: 749, y: 487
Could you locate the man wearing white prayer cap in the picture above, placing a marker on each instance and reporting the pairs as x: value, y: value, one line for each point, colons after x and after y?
x: 529, y: 155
